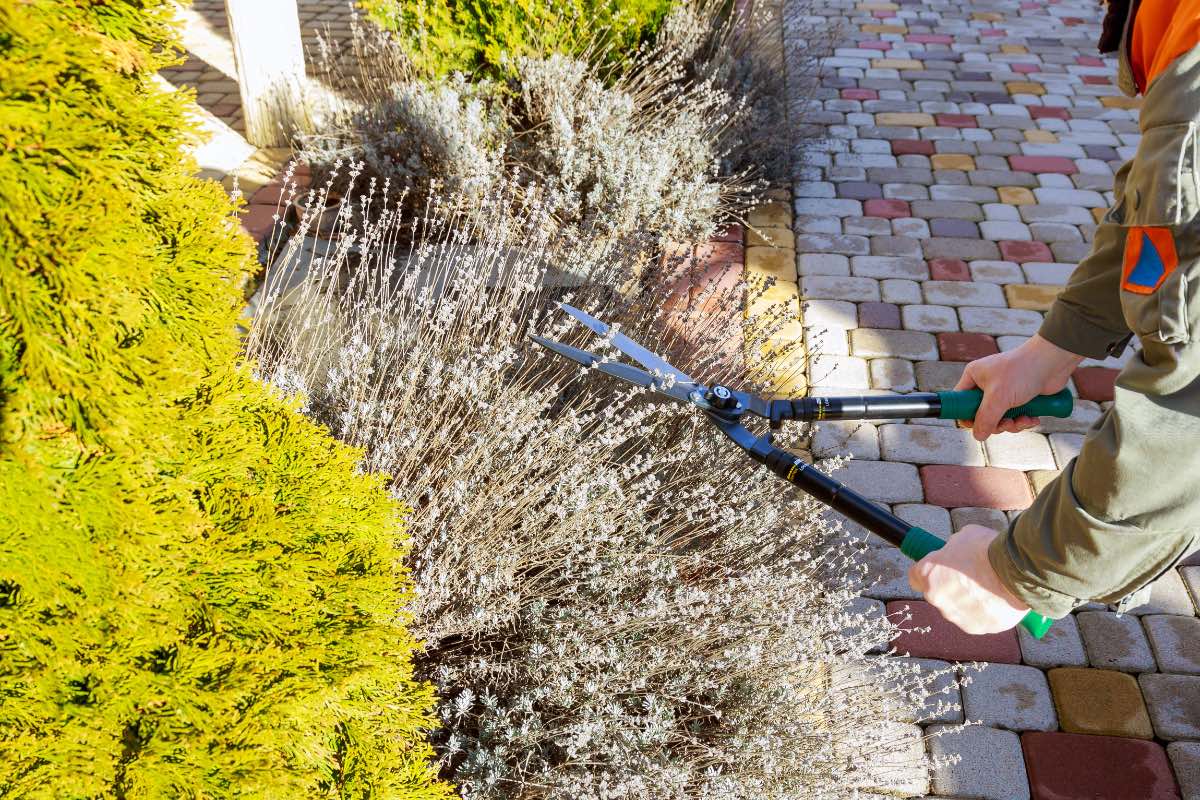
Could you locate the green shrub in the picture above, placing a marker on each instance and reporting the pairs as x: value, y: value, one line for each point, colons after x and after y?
x: 200, y: 594
x: 487, y: 36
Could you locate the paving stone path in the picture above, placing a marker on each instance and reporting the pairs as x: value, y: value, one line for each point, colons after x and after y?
x: 960, y: 155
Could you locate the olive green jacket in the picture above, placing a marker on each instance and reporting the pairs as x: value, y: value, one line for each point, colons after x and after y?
x: 1127, y: 509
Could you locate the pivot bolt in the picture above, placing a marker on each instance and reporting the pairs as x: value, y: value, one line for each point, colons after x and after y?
x: 720, y: 397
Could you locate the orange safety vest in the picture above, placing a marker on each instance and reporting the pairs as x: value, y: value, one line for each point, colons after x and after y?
x: 1163, y: 30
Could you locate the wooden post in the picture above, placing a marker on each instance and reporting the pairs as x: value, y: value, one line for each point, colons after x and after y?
x: 270, y: 66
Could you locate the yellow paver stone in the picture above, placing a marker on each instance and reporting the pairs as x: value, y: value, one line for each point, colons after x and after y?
x: 771, y: 215
x: 1041, y: 137
x: 1025, y: 87
x: 987, y: 16
x: 782, y: 299
x: 771, y: 237
x: 872, y: 28
x: 1014, y: 49
x: 774, y: 262
x: 1016, y: 195
x: 903, y: 119
x: 1121, y: 102
x: 952, y: 161
x: 1031, y: 296
x: 1101, y: 702
x: 1040, y: 478
x: 896, y: 63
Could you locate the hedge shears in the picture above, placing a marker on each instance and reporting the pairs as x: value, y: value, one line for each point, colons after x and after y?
x: 726, y: 407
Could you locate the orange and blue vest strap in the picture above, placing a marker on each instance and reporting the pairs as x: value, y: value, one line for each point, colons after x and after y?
x: 1150, y: 257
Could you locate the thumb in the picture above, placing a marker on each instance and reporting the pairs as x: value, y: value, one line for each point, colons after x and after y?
x: 967, y: 379
x: 918, y: 576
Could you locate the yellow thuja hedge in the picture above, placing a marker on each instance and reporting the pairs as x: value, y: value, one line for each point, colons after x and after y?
x: 200, y: 595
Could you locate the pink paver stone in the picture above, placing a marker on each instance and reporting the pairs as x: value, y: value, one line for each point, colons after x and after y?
x: 949, y: 269
x: 718, y: 253
x: 730, y: 233
x: 912, y: 147
x: 1056, y: 164
x: 965, y: 346
x: 888, y: 209
x: 1025, y: 69
x: 1097, y: 80
x: 1095, y: 383
x: 944, y: 640
x: 993, y: 32
x: 875, y: 45
x: 955, y: 486
x: 1089, y: 61
x: 956, y: 120
x: 860, y: 94
x: 258, y: 219
x: 929, y: 38
x: 1022, y: 252
x: 1049, y: 112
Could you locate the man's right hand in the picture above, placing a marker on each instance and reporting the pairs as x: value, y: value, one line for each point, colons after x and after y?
x: 1012, y: 378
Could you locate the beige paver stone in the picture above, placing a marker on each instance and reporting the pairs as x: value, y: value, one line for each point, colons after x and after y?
x: 770, y: 215
x: 1034, y: 296
x: 771, y: 237
x: 774, y: 262
x: 952, y: 161
x: 1016, y: 195
x: 1101, y: 702
x: 903, y: 119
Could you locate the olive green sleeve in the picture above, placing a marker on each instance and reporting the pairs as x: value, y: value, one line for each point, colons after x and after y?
x: 1086, y: 318
x: 1119, y: 515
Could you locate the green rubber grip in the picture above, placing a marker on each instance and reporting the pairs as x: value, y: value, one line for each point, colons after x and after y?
x: 919, y: 543
x: 964, y: 404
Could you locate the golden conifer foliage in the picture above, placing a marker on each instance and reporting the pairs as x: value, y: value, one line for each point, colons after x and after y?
x: 200, y: 594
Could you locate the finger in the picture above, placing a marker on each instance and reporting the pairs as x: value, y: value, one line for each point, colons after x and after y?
x: 967, y: 379
x: 918, y: 577
x: 1025, y: 423
x: 1006, y: 426
x: 989, y: 414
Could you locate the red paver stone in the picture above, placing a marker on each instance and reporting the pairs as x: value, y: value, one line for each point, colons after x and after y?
x: 879, y: 315
x: 965, y: 346
x: 993, y: 32
x: 1071, y: 766
x: 944, y: 640
x: 929, y: 38
x: 912, y: 147
x: 1022, y: 252
x: 718, y: 253
x: 269, y: 194
x: 954, y: 486
x: 1049, y: 112
x: 1089, y: 61
x: 1057, y: 164
x: 1095, y: 383
x: 956, y: 120
x: 860, y: 94
x: 888, y: 209
x: 875, y: 45
x: 1096, y: 80
x: 258, y: 219
x: 949, y: 269
x: 1025, y: 69
x: 730, y: 233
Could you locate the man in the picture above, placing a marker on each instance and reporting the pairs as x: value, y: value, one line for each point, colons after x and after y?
x: 1127, y: 509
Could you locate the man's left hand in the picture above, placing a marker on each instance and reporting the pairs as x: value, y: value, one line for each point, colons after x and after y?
x: 959, y: 581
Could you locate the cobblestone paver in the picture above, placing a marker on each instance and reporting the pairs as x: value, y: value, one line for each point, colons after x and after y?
x: 957, y: 159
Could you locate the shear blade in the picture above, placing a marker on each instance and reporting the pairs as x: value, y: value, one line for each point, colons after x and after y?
x: 628, y: 346
x: 625, y: 372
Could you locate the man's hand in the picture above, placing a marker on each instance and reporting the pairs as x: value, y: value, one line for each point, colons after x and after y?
x: 1012, y: 378
x: 959, y: 581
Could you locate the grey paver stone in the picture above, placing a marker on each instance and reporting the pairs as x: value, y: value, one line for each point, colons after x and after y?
x: 846, y: 438
x: 834, y: 313
x: 887, y: 574
x: 970, y: 515
x: 895, y: 246
x: 1062, y: 646
x: 1065, y: 446
x: 1009, y: 696
x: 880, y: 343
x: 823, y: 264
x: 831, y: 287
x: 990, y: 765
x: 934, y: 519
x: 900, y: 290
x: 1174, y: 704
x: 998, y: 321
x: 964, y: 293
x: 1115, y: 641
x: 843, y: 372
x: 938, y: 376
x: 990, y: 271
x: 1026, y: 450
x: 1185, y: 760
x: 1175, y: 641
x: 1047, y: 272
x: 889, y: 267
x: 826, y: 340
x: 931, y: 318
x: 893, y: 373
x: 883, y: 481
x: 966, y: 249
x: 943, y: 698
x: 1168, y: 595
x: 1191, y: 579
x: 923, y: 444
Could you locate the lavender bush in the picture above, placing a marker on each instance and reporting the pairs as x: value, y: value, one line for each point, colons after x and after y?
x: 614, y: 602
